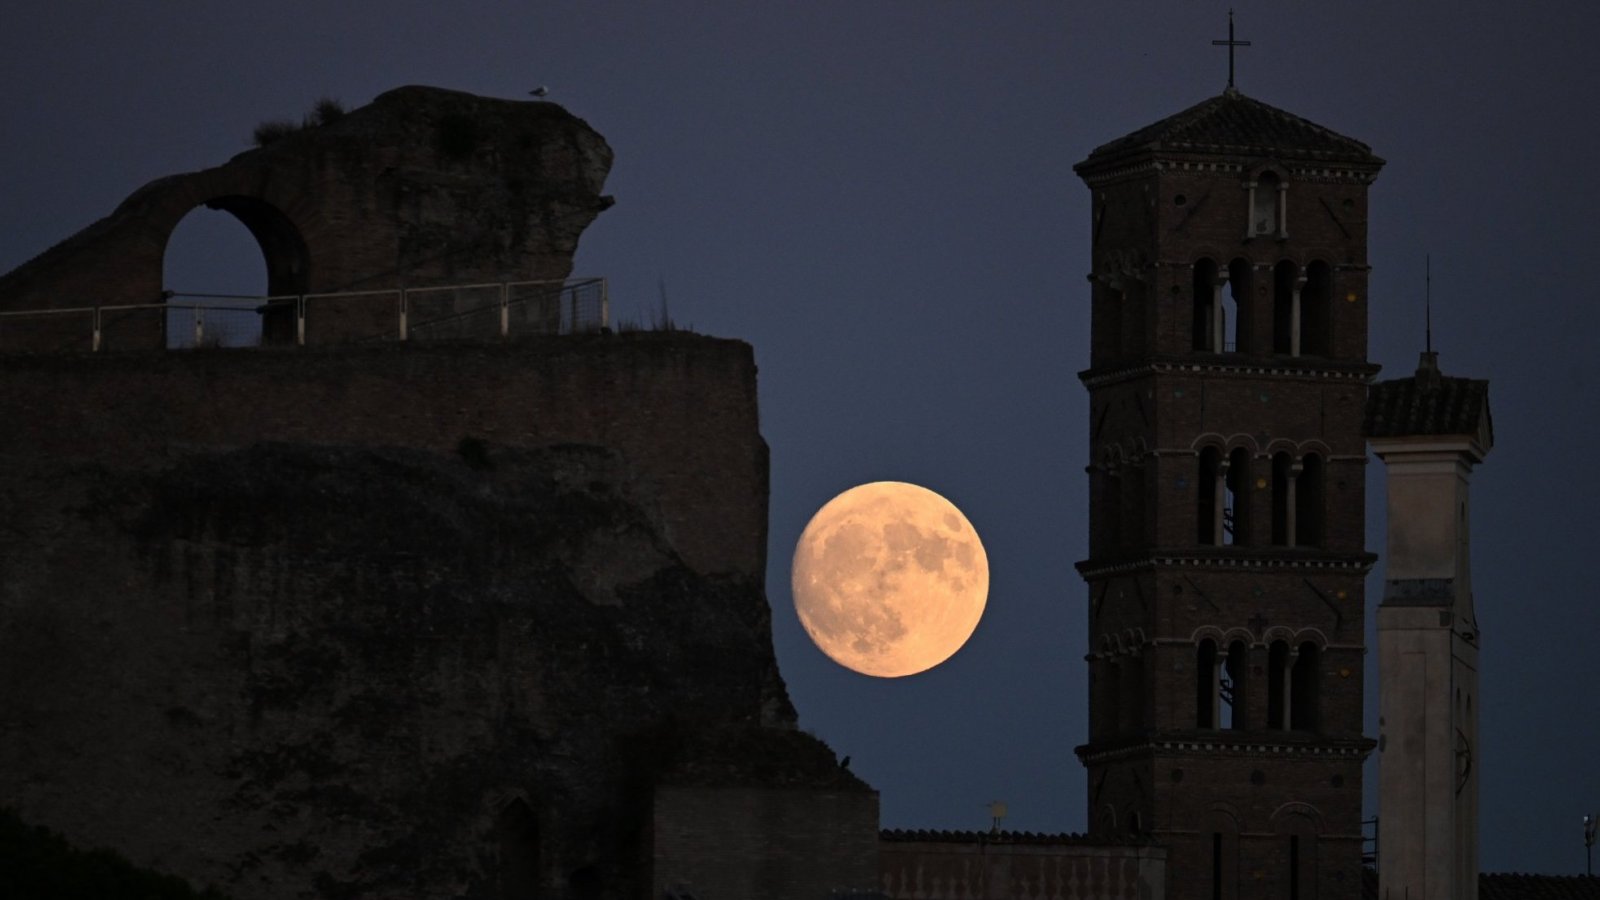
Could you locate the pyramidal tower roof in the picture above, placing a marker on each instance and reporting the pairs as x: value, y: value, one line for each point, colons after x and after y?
x: 1231, y: 124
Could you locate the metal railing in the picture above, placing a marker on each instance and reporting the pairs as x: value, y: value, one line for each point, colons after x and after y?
x: 447, y: 312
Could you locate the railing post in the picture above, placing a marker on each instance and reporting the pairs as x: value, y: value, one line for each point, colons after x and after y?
x: 572, y: 313
x: 300, y: 320
x: 94, y: 345
x: 402, y: 314
x: 199, y: 327
x: 605, y: 304
x: 505, y: 310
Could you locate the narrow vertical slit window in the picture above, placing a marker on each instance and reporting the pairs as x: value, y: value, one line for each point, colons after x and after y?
x: 1235, y: 681
x: 1236, y: 512
x: 1294, y: 867
x: 1216, y: 865
x: 1282, y: 500
x: 1277, y: 685
x: 1205, y: 685
x: 1208, y: 511
x: 1305, y: 685
x: 1316, y: 311
x: 1308, y: 502
x: 1205, y: 312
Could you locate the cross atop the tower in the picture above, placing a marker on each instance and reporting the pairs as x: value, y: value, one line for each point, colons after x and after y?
x: 1230, y: 43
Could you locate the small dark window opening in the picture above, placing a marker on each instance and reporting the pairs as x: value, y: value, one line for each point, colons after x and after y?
x: 1132, y: 524
x: 1264, y: 217
x: 1205, y: 281
x: 1237, y: 314
x: 1111, y: 505
x: 1206, y: 509
x: 1316, y: 311
x: 1133, y: 694
x: 1216, y: 865
x: 1234, y: 672
x: 1236, y: 512
x: 1294, y: 867
x: 1133, y: 823
x: 1277, y: 675
x: 1284, y: 276
x: 518, y: 829
x: 1205, y: 686
x: 1308, y: 502
x: 1306, y: 688
x: 1281, y: 480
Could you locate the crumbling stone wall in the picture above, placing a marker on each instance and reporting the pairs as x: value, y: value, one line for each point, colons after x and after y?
x: 420, y: 187
x: 398, y: 620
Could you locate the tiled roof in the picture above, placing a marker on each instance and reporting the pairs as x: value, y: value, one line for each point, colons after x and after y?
x: 1514, y: 886
x: 1231, y: 123
x: 1428, y: 403
x: 931, y: 836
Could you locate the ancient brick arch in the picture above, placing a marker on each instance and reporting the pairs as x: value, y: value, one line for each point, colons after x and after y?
x: 420, y: 187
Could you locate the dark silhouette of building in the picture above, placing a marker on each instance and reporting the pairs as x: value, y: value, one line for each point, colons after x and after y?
x: 1227, y: 381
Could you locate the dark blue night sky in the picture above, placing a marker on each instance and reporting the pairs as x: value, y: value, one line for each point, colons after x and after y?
x: 879, y: 197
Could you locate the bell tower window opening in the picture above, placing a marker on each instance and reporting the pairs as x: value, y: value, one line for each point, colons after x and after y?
x: 1308, y: 499
x: 1236, y: 316
x: 1231, y: 686
x: 1236, y: 508
x: 1209, y: 509
x: 1282, y: 500
x: 1208, y: 313
x: 1205, y: 675
x: 1316, y: 311
x: 1305, y: 689
x: 1278, y: 685
x: 1287, y: 284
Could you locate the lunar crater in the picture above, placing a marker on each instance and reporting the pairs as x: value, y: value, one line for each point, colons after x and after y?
x: 889, y: 579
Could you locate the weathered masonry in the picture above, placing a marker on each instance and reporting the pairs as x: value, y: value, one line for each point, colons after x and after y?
x: 1227, y: 381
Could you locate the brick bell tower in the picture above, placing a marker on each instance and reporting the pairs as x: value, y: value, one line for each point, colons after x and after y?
x: 1228, y: 374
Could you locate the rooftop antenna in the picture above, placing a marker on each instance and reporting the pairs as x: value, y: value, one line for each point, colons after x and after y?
x: 1427, y: 301
x: 1230, y: 43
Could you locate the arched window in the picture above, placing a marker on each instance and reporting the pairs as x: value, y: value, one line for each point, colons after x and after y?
x: 1235, y: 672
x: 1267, y: 206
x: 1110, y: 532
x: 1286, y: 309
x: 1278, y: 685
x: 1305, y: 689
x: 1316, y: 311
x: 1208, y: 511
x: 1282, y: 500
x: 1237, y: 316
x: 1205, y: 685
x: 1133, y: 497
x: 518, y: 831
x: 1207, y: 333
x: 1236, y: 511
x: 1132, y: 714
x: 1308, y: 502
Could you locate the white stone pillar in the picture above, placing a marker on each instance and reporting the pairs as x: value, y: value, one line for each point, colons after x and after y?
x: 1294, y: 316
x: 1219, y: 327
x: 1289, y: 505
x: 1283, y: 210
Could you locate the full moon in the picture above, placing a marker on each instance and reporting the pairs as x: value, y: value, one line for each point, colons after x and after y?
x: 890, y: 579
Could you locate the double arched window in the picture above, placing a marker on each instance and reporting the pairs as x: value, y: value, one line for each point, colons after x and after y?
x: 1225, y: 485
x: 1294, y: 686
x: 1302, y: 309
x: 1221, y: 305
x: 1221, y: 678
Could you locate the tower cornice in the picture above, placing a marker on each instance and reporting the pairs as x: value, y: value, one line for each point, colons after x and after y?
x: 1230, y: 364
x: 1228, y: 560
